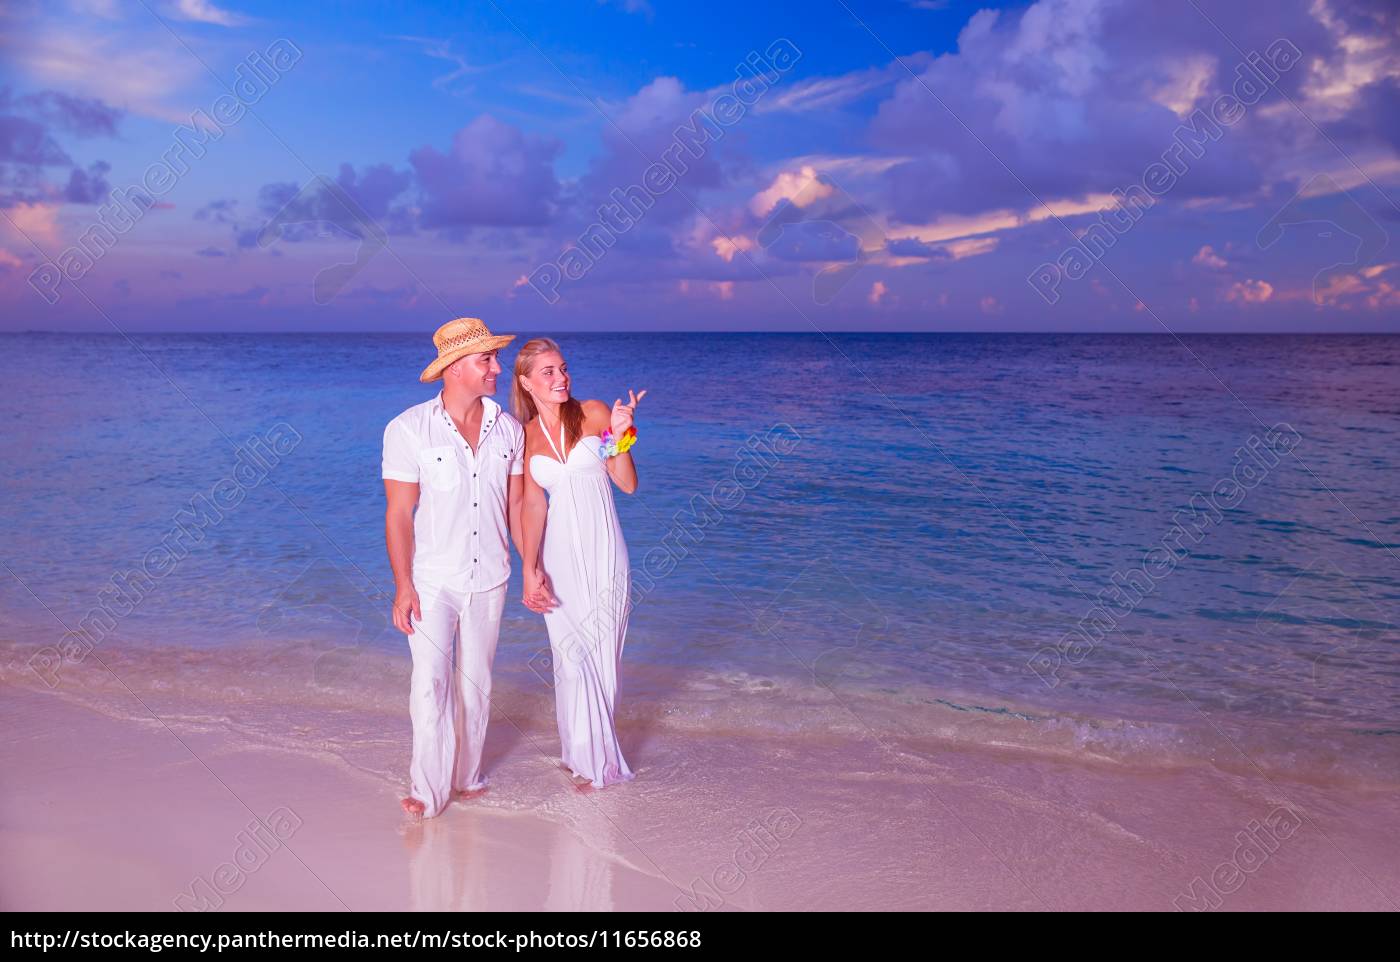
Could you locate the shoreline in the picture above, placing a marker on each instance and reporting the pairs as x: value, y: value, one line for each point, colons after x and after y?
x: 279, y: 679
x: 716, y: 820
x: 128, y: 817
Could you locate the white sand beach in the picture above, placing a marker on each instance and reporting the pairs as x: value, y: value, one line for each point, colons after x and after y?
x: 106, y: 807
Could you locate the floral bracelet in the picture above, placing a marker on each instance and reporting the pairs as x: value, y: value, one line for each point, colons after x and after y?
x: 613, y: 445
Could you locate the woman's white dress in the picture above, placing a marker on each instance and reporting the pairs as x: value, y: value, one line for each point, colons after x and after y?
x: 585, y: 558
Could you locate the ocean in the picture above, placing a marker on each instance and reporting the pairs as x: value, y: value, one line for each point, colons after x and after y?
x: 1132, y: 548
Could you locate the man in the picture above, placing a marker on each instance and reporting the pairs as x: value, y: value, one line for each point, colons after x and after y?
x: 458, y: 459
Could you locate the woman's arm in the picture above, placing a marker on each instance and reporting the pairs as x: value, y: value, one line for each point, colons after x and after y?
x: 533, y: 508
x: 621, y: 467
x: 623, y: 470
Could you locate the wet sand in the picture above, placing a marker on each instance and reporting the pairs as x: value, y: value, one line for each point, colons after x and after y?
x: 105, y: 807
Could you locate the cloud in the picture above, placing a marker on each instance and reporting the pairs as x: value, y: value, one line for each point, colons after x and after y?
x: 88, y: 186
x: 971, y: 247
x: 23, y: 141
x: 727, y: 246
x: 27, y: 147
x: 815, y: 240
x: 1362, y: 53
x: 1206, y: 257
x: 1376, y: 117
x: 1072, y: 98
x: 913, y: 247
x: 219, y: 211
x: 1249, y: 292
x: 645, y: 129
x: 1186, y: 83
x: 83, y: 116
x: 441, y: 49
x: 1373, y: 288
x: 202, y: 11
x: 829, y: 93
x: 802, y: 187
x: 133, y: 70
x: 36, y: 221
x: 356, y: 205
x: 492, y: 174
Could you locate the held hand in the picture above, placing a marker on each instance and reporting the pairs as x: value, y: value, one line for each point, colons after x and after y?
x: 406, y: 608
x: 545, y: 594
x: 538, y: 595
x: 622, y: 413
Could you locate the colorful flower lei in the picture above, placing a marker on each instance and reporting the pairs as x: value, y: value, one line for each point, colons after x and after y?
x: 614, y: 445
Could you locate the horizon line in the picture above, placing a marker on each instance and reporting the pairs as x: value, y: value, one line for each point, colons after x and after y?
x: 548, y: 331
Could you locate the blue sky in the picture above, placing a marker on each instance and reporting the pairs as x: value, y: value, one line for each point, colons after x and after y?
x: 1064, y: 165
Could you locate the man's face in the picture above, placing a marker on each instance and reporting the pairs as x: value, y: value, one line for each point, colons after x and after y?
x: 476, y: 373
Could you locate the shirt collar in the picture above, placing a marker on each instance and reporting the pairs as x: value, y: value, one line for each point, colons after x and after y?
x: 490, y: 411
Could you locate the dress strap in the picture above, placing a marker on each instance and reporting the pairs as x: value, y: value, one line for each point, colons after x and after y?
x: 545, y: 431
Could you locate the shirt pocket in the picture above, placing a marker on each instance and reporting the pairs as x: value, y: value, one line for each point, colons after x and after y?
x: 440, y: 468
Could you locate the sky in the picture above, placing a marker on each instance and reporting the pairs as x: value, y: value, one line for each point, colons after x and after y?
x: 592, y: 165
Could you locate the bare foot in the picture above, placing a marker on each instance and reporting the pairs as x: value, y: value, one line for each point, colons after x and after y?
x: 413, y: 807
x: 465, y: 794
x: 581, y: 782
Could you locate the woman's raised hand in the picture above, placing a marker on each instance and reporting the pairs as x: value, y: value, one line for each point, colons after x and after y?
x: 622, y: 413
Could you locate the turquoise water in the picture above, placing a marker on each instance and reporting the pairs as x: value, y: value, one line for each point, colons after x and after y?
x: 936, y: 511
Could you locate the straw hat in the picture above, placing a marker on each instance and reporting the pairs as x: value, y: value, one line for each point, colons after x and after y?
x: 465, y: 335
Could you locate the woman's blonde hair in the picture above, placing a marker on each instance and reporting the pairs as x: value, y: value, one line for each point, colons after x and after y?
x: 523, y: 405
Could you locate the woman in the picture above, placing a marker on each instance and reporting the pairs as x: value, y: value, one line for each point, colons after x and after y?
x: 575, y: 554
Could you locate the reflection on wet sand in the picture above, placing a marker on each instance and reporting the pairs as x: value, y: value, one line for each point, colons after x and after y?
x: 455, y: 865
x: 580, y: 880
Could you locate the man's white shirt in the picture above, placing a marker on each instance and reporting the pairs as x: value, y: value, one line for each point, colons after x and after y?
x: 461, y: 537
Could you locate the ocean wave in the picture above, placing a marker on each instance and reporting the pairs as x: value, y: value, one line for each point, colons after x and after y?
x: 351, y: 704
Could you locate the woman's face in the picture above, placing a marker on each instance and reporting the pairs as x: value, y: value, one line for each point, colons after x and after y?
x: 548, y: 380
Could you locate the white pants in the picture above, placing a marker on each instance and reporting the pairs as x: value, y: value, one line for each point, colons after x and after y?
x: 451, y: 704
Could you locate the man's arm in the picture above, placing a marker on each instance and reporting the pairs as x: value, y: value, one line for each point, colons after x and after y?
x: 402, y: 498
x: 515, y: 507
